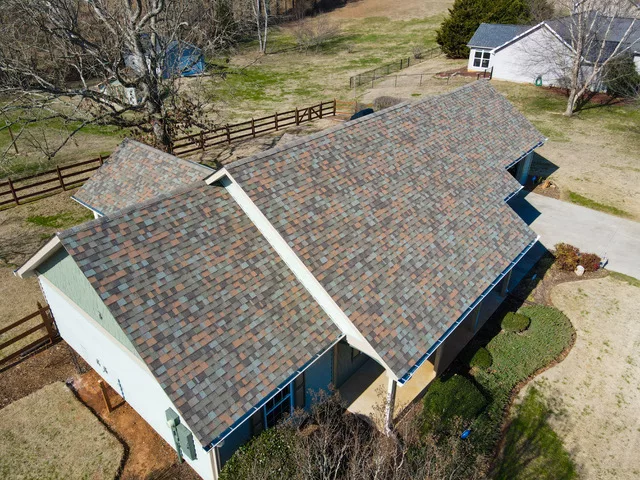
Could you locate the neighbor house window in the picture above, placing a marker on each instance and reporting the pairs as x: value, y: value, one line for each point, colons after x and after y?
x: 481, y: 59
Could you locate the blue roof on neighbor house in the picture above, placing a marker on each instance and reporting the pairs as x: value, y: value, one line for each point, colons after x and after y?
x: 492, y: 35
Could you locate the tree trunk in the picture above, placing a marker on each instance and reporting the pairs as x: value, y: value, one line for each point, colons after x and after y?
x: 571, y: 102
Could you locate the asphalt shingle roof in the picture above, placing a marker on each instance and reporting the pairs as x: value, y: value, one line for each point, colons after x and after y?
x: 216, y: 315
x: 135, y: 173
x: 400, y: 215
x: 492, y: 35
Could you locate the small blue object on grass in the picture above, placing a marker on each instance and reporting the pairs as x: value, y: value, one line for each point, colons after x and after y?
x: 465, y: 434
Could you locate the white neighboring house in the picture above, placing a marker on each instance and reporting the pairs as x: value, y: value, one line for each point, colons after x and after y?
x: 540, y: 54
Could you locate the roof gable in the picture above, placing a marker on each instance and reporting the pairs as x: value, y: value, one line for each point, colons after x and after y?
x: 212, y: 310
x: 492, y: 35
x: 400, y: 215
x: 135, y: 173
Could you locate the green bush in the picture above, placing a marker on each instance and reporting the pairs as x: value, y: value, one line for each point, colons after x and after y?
x: 515, y: 322
x: 445, y: 400
x: 269, y: 455
x: 567, y: 256
x: 621, y: 77
x: 481, y: 359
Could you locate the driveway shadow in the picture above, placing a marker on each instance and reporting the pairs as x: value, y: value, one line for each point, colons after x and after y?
x: 527, y: 212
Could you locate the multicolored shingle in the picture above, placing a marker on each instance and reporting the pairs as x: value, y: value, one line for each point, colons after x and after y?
x: 135, y: 173
x: 400, y: 215
x: 217, y: 316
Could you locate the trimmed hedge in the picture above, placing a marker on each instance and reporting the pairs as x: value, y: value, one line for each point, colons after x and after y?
x: 481, y: 359
x: 515, y: 322
x: 445, y: 400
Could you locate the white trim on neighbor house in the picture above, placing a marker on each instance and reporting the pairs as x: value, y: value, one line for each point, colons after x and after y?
x: 125, y: 373
x: 45, y: 252
x: 299, y: 269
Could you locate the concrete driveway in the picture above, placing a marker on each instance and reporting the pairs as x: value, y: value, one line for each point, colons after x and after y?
x: 591, y: 231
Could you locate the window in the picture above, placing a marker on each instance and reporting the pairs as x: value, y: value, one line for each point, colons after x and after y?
x: 298, y: 389
x: 481, y: 59
x: 278, y: 406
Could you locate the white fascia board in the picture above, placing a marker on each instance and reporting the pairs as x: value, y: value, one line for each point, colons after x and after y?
x: 299, y: 269
x: 50, y: 248
x: 518, y: 37
x: 97, y: 213
x: 216, y: 176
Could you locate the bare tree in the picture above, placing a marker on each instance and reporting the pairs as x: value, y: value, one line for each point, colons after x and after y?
x: 313, y: 33
x: 598, y: 33
x: 59, y: 58
x: 261, y: 10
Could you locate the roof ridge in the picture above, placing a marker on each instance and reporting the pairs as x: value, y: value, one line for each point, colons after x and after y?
x: 344, y: 125
x: 124, y: 211
x: 313, y: 136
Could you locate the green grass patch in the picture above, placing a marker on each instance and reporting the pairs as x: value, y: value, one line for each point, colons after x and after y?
x: 532, y: 448
x: 587, y: 202
x: 62, y: 220
x: 625, y: 278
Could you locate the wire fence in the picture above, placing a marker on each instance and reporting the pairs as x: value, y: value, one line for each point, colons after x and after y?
x: 392, y: 67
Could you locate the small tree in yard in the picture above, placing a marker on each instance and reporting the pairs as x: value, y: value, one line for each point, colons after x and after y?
x: 312, y: 33
x: 55, y: 53
x: 621, y: 78
x: 330, y: 443
x: 599, y: 34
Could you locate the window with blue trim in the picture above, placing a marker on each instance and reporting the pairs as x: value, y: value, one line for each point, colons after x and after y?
x: 276, y: 408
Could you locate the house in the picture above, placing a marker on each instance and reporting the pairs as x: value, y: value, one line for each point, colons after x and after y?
x: 364, y: 255
x: 176, y: 58
x: 542, y: 54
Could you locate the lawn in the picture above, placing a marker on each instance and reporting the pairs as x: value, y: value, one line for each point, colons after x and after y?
x: 532, y: 449
x: 51, y: 435
x: 515, y: 358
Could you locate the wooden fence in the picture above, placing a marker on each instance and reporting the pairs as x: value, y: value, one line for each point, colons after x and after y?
x: 15, y: 191
x: 47, y: 324
x: 44, y: 184
x: 371, y: 76
x: 251, y: 128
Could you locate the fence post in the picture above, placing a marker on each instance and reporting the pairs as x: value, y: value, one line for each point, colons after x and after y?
x: 491, y: 74
x: 228, y: 135
x: 309, y: 113
x: 276, y: 121
x: 334, y: 107
x: 101, y: 159
x: 60, y: 178
x: 13, y: 140
x: 202, y: 140
x: 13, y: 192
x: 297, y: 122
x: 105, y: 396
x: 46, y: 319
x: 253, y: 128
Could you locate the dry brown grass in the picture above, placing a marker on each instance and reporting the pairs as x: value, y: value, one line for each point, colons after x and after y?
x: 595, y: 388
x: 51, y: 435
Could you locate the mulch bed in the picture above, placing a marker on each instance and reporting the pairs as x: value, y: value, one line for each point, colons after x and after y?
x: 55, y: 364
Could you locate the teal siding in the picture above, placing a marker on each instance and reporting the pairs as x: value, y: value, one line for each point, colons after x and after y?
x: 318, y: 377
x: 63, y: 272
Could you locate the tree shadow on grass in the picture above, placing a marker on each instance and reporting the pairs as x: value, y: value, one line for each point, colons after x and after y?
x: 532, y: 449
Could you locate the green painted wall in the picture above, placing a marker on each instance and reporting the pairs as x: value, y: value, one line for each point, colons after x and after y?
x: 63, y: 272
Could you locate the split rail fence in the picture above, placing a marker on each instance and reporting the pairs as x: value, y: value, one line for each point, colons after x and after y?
x: 44, y: 184
x: 251, y: 128
x: 46, y: 323
x: 370, y: 76
x: 14, y: 192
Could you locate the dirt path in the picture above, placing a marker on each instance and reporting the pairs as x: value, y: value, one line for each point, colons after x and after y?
x: 595, y: 389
